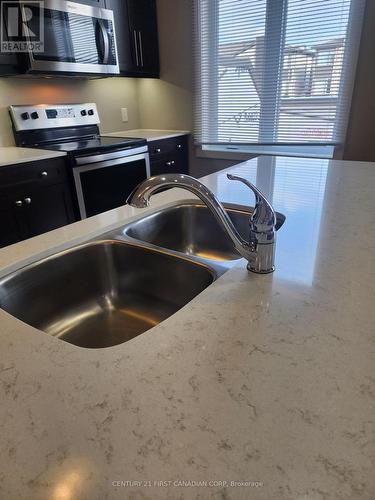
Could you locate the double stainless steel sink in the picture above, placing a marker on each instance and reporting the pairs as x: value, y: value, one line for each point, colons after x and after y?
x: 116, y: 287
x: 190, y: 228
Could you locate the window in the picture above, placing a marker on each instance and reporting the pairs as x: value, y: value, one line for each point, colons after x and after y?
x: 275, y: 72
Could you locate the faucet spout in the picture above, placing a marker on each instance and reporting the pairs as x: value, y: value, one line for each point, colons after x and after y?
x: 259, y: 250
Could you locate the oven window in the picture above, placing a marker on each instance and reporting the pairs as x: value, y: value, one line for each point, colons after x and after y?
x: 108, y: 187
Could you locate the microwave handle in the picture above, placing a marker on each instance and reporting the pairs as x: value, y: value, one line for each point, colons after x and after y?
x: 105, y: 37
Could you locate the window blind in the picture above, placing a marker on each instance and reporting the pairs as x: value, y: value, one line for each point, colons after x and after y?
x: 274, y: 71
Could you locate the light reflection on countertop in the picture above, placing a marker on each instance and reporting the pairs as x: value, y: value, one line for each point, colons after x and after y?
x: 296, y: 188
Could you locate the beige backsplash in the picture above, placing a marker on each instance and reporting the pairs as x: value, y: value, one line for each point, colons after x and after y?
x: 109, y: 94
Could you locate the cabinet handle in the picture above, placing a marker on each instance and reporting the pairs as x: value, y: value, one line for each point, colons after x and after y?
x: 170, y: 163
x: 44, y: 173
x: 136, y: 47
x: 157, y: 150
x: 19, y: 203
x: 140, y: 46
x: 179, y: 146
x: 27, y: 201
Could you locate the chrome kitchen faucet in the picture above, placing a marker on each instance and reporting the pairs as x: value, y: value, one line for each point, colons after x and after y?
x: 259, y: 250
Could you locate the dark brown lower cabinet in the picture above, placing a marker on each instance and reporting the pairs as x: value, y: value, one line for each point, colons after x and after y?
x: 34, y: 198
x: 169, y: 155
x: 49, y: 209
x: 12, y: 225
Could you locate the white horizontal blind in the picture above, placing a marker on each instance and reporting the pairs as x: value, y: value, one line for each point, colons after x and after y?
x: 274, y: 71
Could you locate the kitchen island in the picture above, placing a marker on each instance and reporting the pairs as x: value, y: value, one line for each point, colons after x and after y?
x: 262, y: 387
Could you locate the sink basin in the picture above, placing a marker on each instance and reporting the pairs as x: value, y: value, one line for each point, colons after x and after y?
x: 102, y: 293
x: 192, y: 229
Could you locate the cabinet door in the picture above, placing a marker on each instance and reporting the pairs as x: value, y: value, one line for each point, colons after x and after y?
x: 144, y: 36
x: 48, y: 208
x: 125, y: 54
x: 8, y: 64
x: 12, y: 225
x: 136, y: 36
x: 8, y: 61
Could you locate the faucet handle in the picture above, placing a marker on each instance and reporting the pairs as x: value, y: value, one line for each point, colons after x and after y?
x: 263, y: 219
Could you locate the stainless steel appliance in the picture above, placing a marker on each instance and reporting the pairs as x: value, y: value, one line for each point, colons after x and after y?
x: 104, y: 170
x: 78, y: 39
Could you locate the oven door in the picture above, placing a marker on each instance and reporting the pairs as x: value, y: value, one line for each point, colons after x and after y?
x: 77, y: 39
x: 104, y: 181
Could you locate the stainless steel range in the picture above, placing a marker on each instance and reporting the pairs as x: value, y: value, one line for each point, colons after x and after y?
x: 105, y: 170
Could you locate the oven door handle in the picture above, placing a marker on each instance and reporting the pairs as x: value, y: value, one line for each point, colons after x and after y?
x: 113, y: 155
x: 111, y: 163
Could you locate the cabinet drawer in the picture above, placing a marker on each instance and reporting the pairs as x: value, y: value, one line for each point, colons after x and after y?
x: 168, y: 146
x: 171, y: 164
x: 45, y: 172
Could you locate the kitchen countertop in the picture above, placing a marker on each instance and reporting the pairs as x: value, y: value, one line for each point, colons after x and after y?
x: 12, y: 155
x: 148, y: 134
x: 264, y: 379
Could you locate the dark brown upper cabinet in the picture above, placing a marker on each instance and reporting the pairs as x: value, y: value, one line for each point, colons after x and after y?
x: 8, y: 61
x: 137, y: 37
x: 8, y: 65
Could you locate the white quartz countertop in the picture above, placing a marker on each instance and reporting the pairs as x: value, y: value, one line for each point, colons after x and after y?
x: 148, y: 134
x: 264, y: 381
x: 12, y: 155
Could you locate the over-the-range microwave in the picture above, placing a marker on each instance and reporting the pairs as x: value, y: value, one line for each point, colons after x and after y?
x: 77, y: 39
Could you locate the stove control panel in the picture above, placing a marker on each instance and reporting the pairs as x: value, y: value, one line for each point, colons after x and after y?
x: 44, y: 116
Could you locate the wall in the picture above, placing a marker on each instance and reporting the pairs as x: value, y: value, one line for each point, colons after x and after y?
x: 110, y: 95
x: 167, y: 103
x: 360, y: 140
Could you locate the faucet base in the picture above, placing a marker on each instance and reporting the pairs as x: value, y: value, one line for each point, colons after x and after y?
x: 257, y: 271
x: 264, y: 258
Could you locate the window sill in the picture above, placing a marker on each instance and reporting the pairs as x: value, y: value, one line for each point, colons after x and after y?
x: 246, y: 152
x: 217, y: 153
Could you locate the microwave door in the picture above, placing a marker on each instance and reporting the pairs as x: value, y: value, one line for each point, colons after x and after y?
x: 58, y: 47
x: 76, y: 41
x: 84, y: 41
